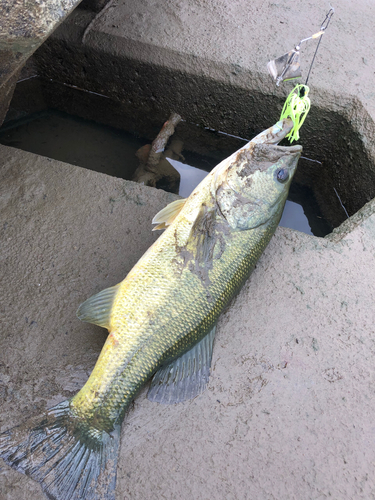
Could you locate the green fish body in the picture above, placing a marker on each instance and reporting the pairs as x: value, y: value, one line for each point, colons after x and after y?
x: 161, y: 319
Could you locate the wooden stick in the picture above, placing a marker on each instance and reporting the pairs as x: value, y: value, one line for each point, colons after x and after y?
x: 160, y: 142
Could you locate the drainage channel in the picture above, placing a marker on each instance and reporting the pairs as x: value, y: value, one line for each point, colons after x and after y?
x: 101, y: 148
x: 332, y: 184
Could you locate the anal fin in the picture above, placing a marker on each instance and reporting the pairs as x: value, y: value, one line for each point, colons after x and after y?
x: 186, y: 377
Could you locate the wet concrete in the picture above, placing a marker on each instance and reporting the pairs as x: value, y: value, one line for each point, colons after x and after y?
x: 288, y: 411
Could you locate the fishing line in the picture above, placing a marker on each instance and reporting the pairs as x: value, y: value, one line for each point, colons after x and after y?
x: 238, y: 137
x: 322, y: 28
x: 341, y: 203
x: 309, y: 159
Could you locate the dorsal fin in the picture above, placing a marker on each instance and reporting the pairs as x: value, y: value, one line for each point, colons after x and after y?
x: 97, y: 309
x: 166, y: 216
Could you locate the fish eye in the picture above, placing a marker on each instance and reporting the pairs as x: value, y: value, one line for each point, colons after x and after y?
x: 282, y: 175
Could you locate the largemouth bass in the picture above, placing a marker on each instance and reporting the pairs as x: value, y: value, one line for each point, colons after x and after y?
x: 161, y: 319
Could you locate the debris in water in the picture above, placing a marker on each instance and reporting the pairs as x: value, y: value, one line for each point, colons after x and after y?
x: 154, y: 170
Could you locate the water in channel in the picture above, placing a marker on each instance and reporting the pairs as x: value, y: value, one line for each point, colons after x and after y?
x: 111, y: 151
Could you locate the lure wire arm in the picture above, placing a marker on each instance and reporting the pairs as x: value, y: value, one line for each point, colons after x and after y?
x: 327, y: 18
x: 287, y: 66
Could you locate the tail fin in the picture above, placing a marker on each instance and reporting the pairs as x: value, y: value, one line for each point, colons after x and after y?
x: 71, y: 460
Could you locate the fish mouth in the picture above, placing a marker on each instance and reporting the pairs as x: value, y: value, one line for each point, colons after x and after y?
x: 270, y: 139
x: 289, y: 149
x: 277, y: 133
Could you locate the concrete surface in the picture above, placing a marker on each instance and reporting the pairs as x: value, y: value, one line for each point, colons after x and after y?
x: 24, y: 27
x: 288, y: 413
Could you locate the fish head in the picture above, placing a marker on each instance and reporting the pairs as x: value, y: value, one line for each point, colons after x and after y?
x: 251, y: 189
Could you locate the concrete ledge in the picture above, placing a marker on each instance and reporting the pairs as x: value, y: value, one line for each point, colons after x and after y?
x: 288, y: 412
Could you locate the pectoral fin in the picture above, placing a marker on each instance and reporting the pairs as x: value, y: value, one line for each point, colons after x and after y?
x: 165, y: 217
x: 97, y: 309
x: 186, y: 377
